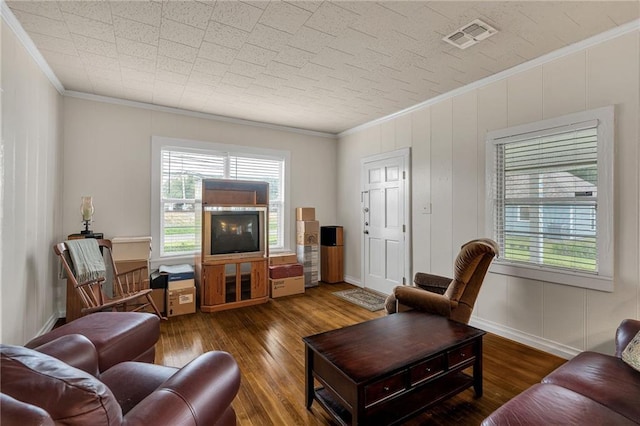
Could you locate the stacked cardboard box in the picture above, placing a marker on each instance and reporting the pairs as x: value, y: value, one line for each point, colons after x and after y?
x: 285, y: 275
x: 131, y: 253
x: 181, y: 290
x: 286, y: 258
x: 307, y: 240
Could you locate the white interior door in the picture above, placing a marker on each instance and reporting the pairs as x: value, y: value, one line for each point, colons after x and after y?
x: 385, y: 221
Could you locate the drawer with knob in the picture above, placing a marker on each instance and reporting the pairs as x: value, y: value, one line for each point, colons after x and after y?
x: 426, y: 369
x: 384, y: 388
x: 460, y: 355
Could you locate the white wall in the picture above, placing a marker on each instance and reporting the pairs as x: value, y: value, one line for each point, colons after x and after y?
x: 447, y: 142
x: 30, y: 173
x: 108, y: 156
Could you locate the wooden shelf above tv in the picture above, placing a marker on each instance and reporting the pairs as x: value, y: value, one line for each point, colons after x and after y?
x: 224, y: 192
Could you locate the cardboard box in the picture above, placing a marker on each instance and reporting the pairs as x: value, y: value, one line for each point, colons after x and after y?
x: 307, y: 232
x: 285, y: 271
x: 286, y: 286
x: 180, y: 302
x: 307, y: 239
x: 283, y: 259
x: 129, y: 265
x: 131, y: 248
x: 180, y: 284
x: 305, y: 213
x: 307, y: 227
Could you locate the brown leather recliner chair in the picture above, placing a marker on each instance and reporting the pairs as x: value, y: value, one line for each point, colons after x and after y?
x: 60, y: 383
x: 451, y: 298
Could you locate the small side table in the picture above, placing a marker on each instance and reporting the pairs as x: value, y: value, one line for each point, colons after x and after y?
x: 78, y: 236
x: 74, y: 304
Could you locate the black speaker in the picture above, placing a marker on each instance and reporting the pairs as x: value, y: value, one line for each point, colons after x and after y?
x: 331, y: 236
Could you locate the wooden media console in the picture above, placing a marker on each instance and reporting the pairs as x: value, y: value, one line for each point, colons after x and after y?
x: 233, y: 280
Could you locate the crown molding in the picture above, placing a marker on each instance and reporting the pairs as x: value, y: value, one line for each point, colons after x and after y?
x: 616, y: 32
x: 189, y: 113
x: 16, y: 27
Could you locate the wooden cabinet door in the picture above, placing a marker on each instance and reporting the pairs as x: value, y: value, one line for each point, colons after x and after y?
x: 213, y: 285
x: 259, y: 279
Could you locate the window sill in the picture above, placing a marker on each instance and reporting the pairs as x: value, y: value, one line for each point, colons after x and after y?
x: 280, y: 250
x: 574, y: 279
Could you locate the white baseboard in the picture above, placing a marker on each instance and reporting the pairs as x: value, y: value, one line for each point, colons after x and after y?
x: 537, y: 342
x: 48, y: 326
x: 351, y: 280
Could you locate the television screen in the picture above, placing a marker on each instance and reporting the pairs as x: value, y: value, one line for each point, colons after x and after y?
x: 235, y: 232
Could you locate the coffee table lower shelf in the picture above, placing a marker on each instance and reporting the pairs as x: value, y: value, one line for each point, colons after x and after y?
x: 411, y: 403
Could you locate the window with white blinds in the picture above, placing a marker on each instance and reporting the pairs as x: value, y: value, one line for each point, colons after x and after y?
x: 551, y: 197
x: 272, y: 172
x: 180, y: 175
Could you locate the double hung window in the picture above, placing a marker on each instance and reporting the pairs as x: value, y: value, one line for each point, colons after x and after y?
x: 178, y: 169
x: 550, y: 201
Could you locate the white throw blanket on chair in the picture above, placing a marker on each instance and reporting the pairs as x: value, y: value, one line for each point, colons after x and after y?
x: 87, y: 259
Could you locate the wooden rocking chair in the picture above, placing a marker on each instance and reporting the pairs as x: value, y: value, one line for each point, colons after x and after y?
x: 129, y: 292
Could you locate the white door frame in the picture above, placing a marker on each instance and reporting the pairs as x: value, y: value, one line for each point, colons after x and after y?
x: 406, y: 154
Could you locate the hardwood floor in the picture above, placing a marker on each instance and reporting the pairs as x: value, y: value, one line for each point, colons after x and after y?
x: 266, y: 341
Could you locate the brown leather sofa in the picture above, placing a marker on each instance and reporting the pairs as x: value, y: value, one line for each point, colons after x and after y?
x: 60, y: 382
x: 590, y: 389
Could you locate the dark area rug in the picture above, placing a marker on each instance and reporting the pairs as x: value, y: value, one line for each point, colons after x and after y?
x: 363, y: 298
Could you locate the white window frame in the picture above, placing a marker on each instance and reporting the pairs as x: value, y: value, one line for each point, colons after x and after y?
x: 160, y: 143
x: 603, y: 279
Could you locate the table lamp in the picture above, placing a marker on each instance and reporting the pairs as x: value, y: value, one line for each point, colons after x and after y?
x: 86, y: 209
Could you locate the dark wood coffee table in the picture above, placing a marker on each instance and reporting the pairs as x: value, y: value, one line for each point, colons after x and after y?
x: 388, y: 369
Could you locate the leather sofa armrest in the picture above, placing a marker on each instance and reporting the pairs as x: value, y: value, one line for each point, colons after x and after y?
x: 425, y: 301
x: 430, y: 282
x: 626, y: 331
x: 17, y: 413
x: 200, y: 393
x: 75, y: 350
x: 131, y: 382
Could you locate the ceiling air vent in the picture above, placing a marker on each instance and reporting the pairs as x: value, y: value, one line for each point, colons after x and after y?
x: 470, y: 34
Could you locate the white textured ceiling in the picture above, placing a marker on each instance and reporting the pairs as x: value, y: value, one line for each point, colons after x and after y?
x: 317, y: 65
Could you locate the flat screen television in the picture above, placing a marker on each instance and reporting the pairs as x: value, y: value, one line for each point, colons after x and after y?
x: 234, y: 232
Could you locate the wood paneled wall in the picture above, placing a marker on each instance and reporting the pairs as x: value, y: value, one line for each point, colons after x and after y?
x: 447, y: 140
x: 30, y: 194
